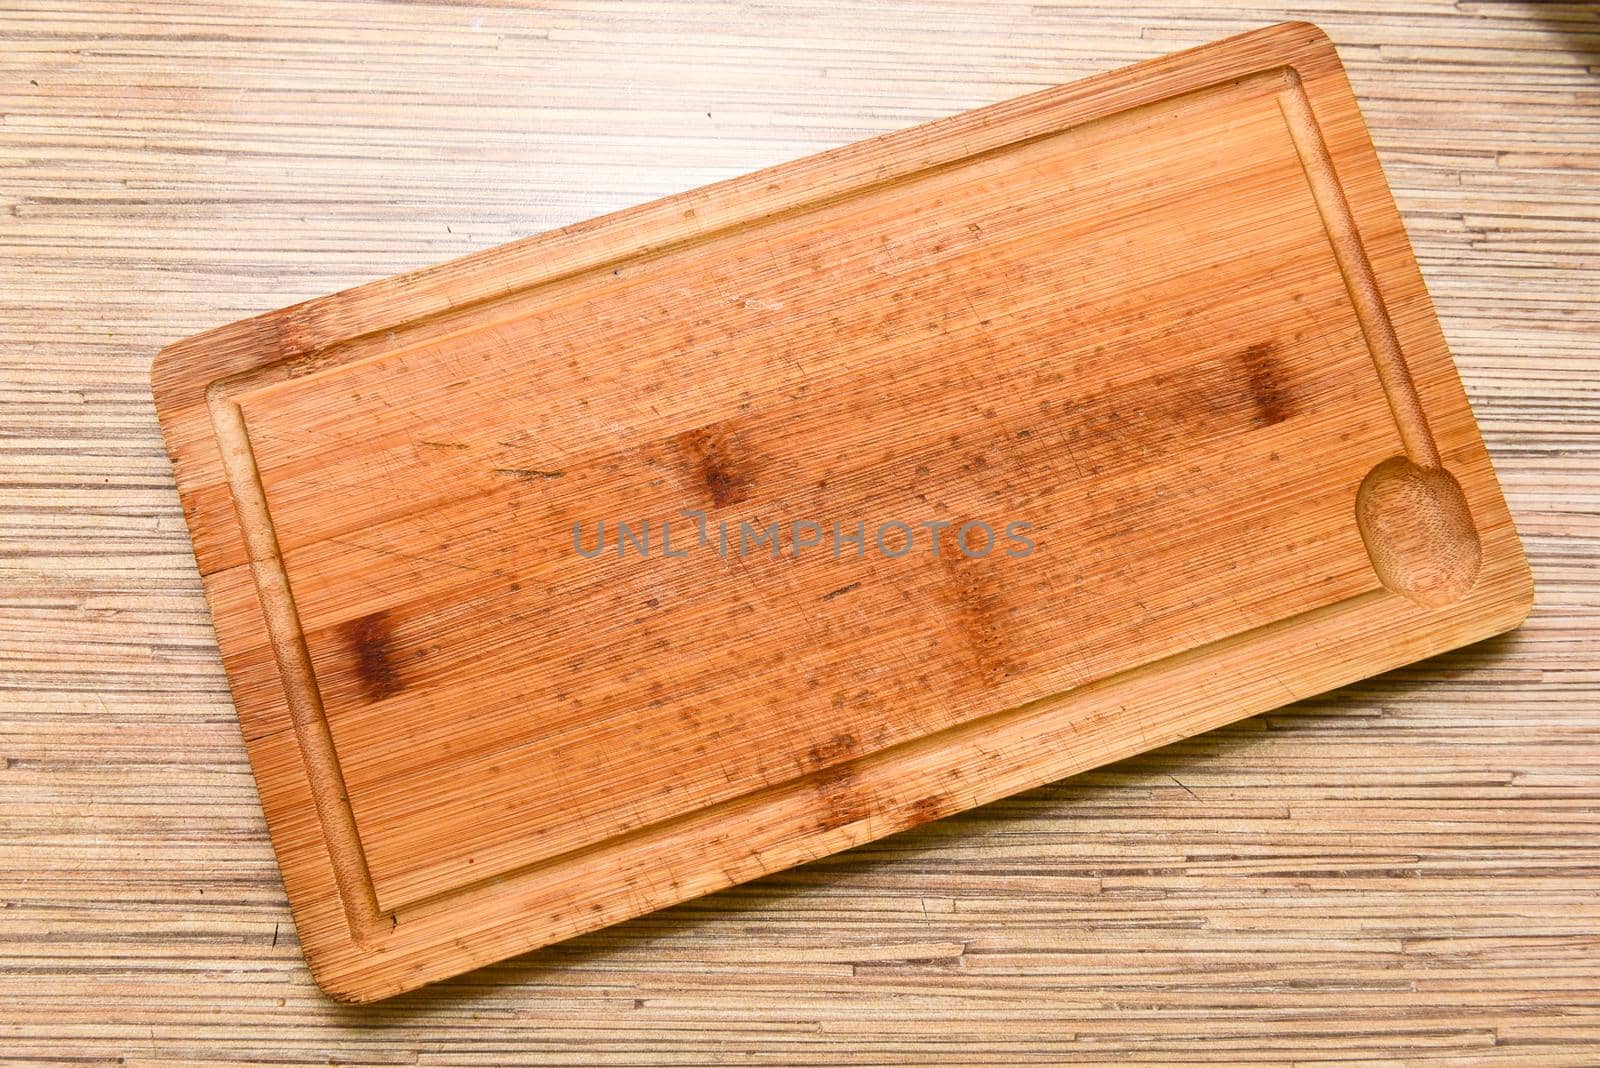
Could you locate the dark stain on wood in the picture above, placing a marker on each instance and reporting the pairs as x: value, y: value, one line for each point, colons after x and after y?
x: 977, y: 599
x: 841, y: 801
x: 371, y: 641
x: 824, y: 753
x: 719, y: 462
x: 1264, y: 376
x: 1146, y: 420
x: 927, y: 810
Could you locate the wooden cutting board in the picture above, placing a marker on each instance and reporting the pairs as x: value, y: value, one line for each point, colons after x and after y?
x: 952, y: 462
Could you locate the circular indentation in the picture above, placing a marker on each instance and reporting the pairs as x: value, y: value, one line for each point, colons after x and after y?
x: 1418, y: 531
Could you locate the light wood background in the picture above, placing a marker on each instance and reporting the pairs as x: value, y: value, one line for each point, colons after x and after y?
x: 1407, y: 869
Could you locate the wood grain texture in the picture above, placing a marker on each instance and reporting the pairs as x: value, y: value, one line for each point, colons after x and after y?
x: 1152, y: 347
x: 1365, y: 874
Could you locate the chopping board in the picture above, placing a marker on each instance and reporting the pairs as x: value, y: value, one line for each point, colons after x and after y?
x: 611, y: 567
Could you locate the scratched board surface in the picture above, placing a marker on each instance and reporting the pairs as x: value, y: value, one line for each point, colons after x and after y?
x: 610, y: 567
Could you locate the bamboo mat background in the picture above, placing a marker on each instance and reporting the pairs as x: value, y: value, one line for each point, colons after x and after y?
x: 1405, y: 869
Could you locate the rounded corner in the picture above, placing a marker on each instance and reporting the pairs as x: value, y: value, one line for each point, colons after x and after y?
x: 347, y: 988
x: 162, y: 372
x: 1310, y: 32
x: 1521, y: 605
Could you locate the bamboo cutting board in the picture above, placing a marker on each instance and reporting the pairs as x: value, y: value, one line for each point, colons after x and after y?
x: 951, y: 463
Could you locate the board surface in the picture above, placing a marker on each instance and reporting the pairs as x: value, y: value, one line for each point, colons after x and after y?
x: 1167, y: 320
